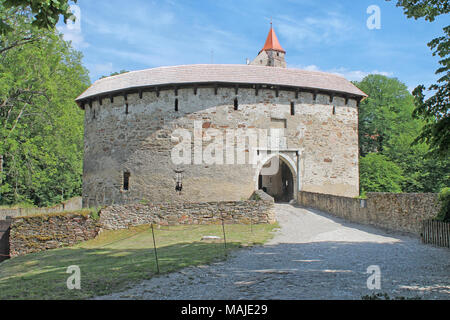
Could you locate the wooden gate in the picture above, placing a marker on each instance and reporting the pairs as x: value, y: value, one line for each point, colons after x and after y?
x: 436, y: 232
x: 4, y: 239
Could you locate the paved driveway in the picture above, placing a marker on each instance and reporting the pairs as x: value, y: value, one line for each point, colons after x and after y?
x: 312, y: 256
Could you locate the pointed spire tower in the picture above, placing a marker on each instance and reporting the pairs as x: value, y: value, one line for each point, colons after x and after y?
x: 272, y: 54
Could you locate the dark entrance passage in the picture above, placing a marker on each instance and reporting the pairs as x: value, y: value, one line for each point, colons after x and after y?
x: 279, y: 185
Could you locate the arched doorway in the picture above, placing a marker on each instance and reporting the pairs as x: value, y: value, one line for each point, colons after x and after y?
x: 279, y: 182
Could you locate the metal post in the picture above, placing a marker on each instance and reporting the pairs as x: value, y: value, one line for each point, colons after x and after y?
x: 251, y: 222
x: 154, y: 246
x: 224, y: 236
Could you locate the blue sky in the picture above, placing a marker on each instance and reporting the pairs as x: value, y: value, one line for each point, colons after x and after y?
x: 325, y: 35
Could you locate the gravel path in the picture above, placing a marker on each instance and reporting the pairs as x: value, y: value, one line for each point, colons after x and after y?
x: 312, y: 256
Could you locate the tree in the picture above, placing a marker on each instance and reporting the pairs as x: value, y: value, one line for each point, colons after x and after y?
x: 384, y: 114
x: 41, y: 128
x: 428, y: 9
x: 387, y: 127
x: 45, y: 13
x: 379, y: 174
x: 115, y: 74
x: 435, y: 109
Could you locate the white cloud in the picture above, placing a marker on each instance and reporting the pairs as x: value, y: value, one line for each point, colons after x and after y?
x: 72, y: 30
x: 358, y: 75
x: 101, y: 69
x: 155, y: 40
x: 75, y: 36
x: 311, y: 67
x: 352, y: 75
x: 330, y: 27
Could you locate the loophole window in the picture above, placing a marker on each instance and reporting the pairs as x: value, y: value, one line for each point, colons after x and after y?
x: 126, y: 181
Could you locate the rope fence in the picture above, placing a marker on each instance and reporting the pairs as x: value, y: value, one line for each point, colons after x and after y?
x: 156, y: 229
x: 187, y: 228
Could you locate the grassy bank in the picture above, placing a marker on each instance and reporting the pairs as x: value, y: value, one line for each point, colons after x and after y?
x: 116, y: 260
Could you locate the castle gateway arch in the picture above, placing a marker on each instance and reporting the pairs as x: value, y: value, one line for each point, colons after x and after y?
x: 277, y: 176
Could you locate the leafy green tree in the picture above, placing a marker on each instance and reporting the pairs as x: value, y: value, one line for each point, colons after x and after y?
x: 384, y: 114
x: 378, y: 174
x: 428, y: 9
x: 435, y: 109
x: 41, y: 128
x: 421, y: 173
x: 43, y: 13
x: 387, y: 127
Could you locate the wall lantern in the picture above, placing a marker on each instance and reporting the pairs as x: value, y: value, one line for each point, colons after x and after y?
x: 179, y: 180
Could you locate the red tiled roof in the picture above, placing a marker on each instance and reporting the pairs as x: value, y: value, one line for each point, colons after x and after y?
x: 272, y: 42
x: 221, y: 73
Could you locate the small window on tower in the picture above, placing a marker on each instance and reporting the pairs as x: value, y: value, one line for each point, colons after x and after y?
x: 126, y: 108
x: 126, y: 181
x: 176, y: 105
x: 292, y: 109
x: 236, y: 104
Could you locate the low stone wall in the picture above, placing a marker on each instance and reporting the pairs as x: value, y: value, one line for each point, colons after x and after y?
x: 73, y: 204
x: 243, y: 212
x: 392, y: 211
x: 42, y: 232
x: 48, y: 231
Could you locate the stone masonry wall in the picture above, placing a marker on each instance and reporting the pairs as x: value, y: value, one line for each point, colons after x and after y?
x: 233, y: 212
x: 73, y: 204
x: 393, y: 211
x: 138, y: 139
x: 42, y: 232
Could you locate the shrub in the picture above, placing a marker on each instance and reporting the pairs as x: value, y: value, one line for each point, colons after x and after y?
x: 95, y: 213
x: 379, y: 174
x: 444, y: 199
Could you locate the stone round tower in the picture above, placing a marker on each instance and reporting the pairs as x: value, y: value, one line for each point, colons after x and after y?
x: 214, y: 132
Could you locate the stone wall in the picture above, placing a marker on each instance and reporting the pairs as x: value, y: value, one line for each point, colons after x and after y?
x: 49, y: 231
x: 136, y: 136
x: 393, y: 211
x: 4, y: 239
x: 232, y: 212
x: 73, y: 204
x: 42, y: 232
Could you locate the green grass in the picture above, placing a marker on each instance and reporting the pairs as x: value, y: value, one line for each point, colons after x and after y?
x: 116, y: 260
x: 24, y: 205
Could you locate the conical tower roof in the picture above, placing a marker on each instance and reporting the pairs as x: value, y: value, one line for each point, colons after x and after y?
x: 272, y: 42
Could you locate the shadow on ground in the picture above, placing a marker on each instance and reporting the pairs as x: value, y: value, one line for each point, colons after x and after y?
x: 103, y: 270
